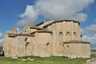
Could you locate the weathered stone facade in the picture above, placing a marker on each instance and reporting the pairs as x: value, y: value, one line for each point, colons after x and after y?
x: 50, y: 38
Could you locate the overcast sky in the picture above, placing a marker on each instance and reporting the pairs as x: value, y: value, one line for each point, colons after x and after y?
x: 20, y: 12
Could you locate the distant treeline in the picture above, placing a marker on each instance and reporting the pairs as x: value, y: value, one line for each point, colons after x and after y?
x: 1, y: 47
x: 1, y: 51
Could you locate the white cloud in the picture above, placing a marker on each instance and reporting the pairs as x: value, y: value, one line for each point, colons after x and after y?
x: 18, y: 29
x: 1, y: 34
x: 91, y: 28
x: 91, y: 39
x: 29, y: 16
x: 90, y: 35
x: 82, y: 31
x: 55, y: 10
x: 80, y: 17
x: 1, y: 39
x: 61, y: 9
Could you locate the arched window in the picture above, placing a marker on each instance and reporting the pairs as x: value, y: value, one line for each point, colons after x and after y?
x: 26, y: 39
x: 27, y: 43
x: 61, y: 37
x: 74, y: 33
x: 80, y: 35
x: 47, y: 44
x: 67, y: 46
x: 60, y: 32
x: 68, y: 33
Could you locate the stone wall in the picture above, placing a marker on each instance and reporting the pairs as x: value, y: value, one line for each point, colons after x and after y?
x: 74, y: 50
x: 45, y: 43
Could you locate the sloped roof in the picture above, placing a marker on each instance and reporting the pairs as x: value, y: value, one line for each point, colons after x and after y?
x: 45, y: 30
x: 12, y: 34
x: 76, y: 41
x: 18, y: 34
x: 58, y: 21
x: 35, y: 27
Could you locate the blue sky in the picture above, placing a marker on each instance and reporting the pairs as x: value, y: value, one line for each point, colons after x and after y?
x: 10, y: 11
x: 91, y: 15
x: 14, y: 12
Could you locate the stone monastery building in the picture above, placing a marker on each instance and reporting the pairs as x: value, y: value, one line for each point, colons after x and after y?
x: 50, y: 38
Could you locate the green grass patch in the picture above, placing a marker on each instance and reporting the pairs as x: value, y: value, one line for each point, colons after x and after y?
x: 46, y: 60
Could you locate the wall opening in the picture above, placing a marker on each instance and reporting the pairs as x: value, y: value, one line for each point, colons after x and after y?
x: 68, y: 36
x: 47, y: 47
x: 47, y: 44
x: 26, y: 39
x: 68, y: 33
x: 26, y: 45
x: 75, y: 33
x: 60, y: 38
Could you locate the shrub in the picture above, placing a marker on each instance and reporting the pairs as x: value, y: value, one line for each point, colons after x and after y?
x: 1, y: 53
x: 93, y: 55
